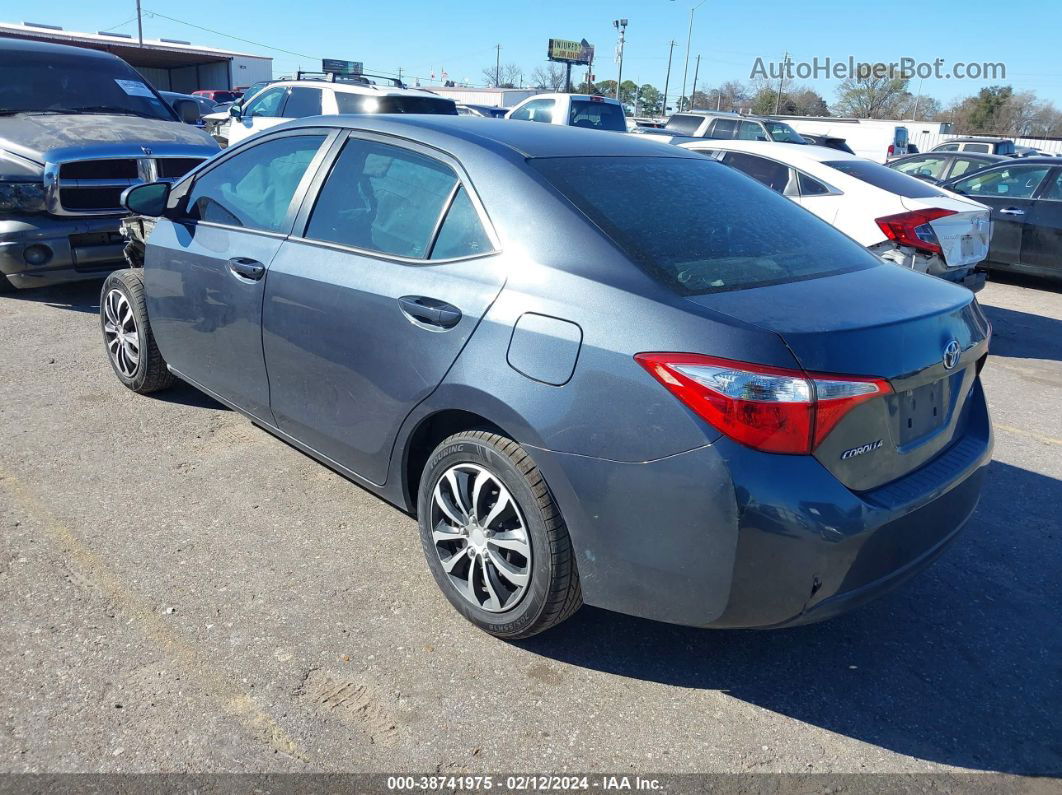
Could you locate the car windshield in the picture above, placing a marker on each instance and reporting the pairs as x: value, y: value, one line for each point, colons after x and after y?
x: 783, y: 133
x: 59, y: 83
x: 709, y: 228
x: 886, y: 178
x: 365, y: 103
x: 597, y: 115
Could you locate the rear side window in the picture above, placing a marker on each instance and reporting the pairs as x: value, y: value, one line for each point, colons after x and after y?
x: 886, y: 178
x: 723, y: 129
x: 751, y: 131
x: 771, y: 173
x: 809, y: 186
x: 683, y: 125
x: 597, y: 115
x: 461, y: 233
x: 382, y: 198
x: 363, y: 103
x: 303, y: 102
x: 982, y: 148
x: 707, y: 229
x: 254, y: 189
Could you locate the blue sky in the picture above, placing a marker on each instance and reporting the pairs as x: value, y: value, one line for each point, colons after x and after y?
x: 425, y: 37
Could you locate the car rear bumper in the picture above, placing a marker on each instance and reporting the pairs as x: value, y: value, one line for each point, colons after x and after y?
x: 724, y: 536
x: 73, y: 249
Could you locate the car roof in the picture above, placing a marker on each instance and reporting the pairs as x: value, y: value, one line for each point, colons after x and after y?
x: 358, y: 88
x: 788, y: 153
x: 989, y: 156
x: 977, y: 139
x: 525, y: 139
x: 591, y: 97
x: 11, y: 44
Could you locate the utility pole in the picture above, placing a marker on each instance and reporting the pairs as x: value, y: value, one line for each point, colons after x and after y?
x: 696, y: 71
x: 689, y: 41
x: 139, y: 25
x: 621, y: 26
x: 670, y: 50
x: 781, y: 82
x: 497, y: 66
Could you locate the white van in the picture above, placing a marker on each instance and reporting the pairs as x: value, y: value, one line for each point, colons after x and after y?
x: 875, y: 139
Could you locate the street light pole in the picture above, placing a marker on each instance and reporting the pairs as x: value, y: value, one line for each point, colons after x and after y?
x: 689, y: 40
x: 696, y: 72
x: 139, y: 25
x: 670, y: 50
x: 621, y: 26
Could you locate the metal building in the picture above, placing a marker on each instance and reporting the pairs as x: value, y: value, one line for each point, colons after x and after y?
x: 168, y: 64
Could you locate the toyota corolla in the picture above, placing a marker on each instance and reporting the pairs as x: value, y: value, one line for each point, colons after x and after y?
x: 597, y: 368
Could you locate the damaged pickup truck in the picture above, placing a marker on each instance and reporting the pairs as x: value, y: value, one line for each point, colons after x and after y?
x: 78, y: 127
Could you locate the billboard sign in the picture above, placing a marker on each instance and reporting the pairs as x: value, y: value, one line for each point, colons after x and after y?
x: 568, y: 51
x: 337, y: 67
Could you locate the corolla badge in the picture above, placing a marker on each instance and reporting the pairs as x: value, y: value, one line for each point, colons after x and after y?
x: 869, y: 447
x: 952, y: 351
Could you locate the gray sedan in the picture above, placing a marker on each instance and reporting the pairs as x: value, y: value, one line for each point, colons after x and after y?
x: 597, y: 368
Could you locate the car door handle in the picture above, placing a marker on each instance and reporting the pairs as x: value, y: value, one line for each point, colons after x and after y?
x: 247, y: 268
x: 430, y: 311
x: 1011, y: 211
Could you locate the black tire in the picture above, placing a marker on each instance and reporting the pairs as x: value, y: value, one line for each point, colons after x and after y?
x: 5, y: 285
x: 552, y: 593
x: 148, y: 373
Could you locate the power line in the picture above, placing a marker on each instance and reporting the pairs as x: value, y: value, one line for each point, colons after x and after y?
x: 228, y: 35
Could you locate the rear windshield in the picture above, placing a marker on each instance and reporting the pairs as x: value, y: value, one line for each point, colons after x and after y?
x: 708, y: 228
x: 597, y: 115
x: 684, y: 125
x: 363, y: 103
x: 886, y: 178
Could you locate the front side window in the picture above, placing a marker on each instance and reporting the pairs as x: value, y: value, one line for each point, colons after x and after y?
x: 707, y: 229
x: 928, y: 166
x: 267, y: 103
x: 1013, y: 182
x: 946, y: 148
x: 382, y: 198
x: 302, y: 102
x: 597, y: 115
x: 254, y: 189
x: 964, y: 165
x: 535, y: 110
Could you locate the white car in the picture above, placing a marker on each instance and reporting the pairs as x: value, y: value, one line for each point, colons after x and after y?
x: 572, y: 110
x: 899, y: 218
x: 295, y: 99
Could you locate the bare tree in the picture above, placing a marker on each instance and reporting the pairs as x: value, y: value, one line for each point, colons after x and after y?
x: 876, y: 94
x: 508, y: 75
x: 550, y: 77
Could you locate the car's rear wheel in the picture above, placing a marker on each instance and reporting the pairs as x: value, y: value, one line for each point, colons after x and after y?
x: 131, y: 348
x: 494, y: 537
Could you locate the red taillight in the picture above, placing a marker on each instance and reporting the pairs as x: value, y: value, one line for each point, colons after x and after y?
x: 768, y: 408
x: 913, y: 229
x: 892, y: 150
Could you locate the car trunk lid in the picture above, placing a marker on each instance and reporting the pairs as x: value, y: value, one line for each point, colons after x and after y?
x: 885, y: 322
x: 964, y: 235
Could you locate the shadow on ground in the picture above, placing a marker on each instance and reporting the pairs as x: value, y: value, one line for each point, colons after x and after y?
x: 962, y: 666
x: 77, y: 296
x: 1023, y: 335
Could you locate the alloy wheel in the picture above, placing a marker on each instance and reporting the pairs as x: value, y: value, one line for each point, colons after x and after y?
x: 480, y: 537
x: 120, y: 333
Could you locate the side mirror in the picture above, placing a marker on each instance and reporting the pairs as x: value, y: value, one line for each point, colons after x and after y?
x: 149, y: 199
x: 235, y: 110
x: 187, y: 110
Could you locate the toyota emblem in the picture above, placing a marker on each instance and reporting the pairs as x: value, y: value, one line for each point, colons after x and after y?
x: 952, y: 351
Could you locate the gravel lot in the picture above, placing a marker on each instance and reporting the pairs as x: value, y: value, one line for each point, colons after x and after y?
x: 183, y: 592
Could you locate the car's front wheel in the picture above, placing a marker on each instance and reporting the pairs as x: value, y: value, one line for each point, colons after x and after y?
x: 131, y: 348
x: 494, y: 537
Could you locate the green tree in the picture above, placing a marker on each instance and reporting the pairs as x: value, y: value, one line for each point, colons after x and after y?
x: 649, y: 100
